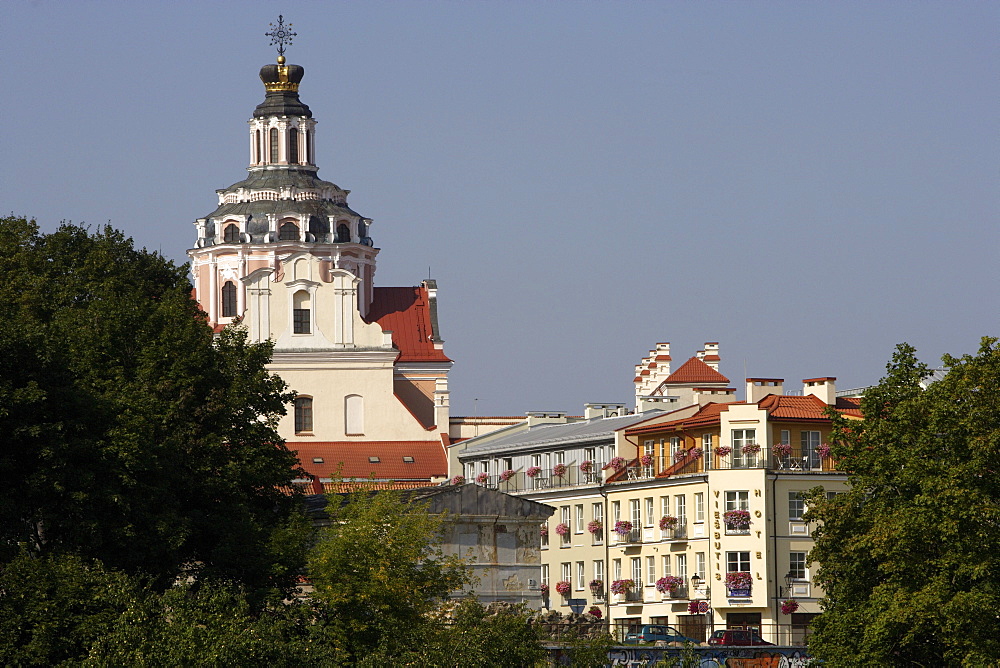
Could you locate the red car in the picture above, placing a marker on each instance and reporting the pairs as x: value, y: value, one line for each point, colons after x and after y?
x: 737, y: 637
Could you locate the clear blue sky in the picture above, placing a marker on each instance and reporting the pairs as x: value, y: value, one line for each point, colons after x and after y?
x: 806, y: 183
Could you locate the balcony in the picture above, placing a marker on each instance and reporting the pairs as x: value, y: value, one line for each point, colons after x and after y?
x: 795, y: 459
x: 679, y: 532
x: 633, y: 536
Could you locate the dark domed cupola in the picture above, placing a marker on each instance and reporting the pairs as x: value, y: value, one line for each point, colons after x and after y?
x: 282, y: 85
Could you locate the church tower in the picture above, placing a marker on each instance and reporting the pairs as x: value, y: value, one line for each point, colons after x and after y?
x: 285, y: 256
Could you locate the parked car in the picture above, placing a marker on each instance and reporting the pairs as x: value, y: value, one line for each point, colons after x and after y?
x: 655, y: 633
x: 738, y: 637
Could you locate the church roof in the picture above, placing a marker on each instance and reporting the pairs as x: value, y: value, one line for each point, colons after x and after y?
x: 696, y: 371
x: 353, y: 459
x: 406, y: 312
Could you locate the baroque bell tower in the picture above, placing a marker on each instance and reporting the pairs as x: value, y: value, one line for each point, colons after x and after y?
x: 285, y: 256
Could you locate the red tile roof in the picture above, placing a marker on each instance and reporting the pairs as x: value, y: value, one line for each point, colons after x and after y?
x: 406, y: 313
x: 351, y: 459
x: 696, y: 371
x: 706, y: 415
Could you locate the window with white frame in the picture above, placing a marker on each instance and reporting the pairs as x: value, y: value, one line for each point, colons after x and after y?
x: 649, y: 447
x: 664, y: 455
x: 682, y: 566
x: 650, y: 571
x: 699, y: 507
x: 616, y: 511
x: 545, y: 574
x: 564, y: 514
x: 637, y: 571
x: 599, y: 570
x: 675, y: 445
x: 567, y: 571
x: 649, y: 511
x: 699, y: 564
x: 741, y: 438
x: 545, y: 536
x: 581, y: 576
x: 664, y: 505
x: 706, y: 443
x: 680, y: 504
x: 559, y: 457
x: 470, y: 470
x: 786, y: 437
x: 797, y: 565
x: 666, y: 565
x: 810, y: 448
x: 616, y: 569
x: 598, y: 512
x: 536, y: 460
x: 635, y: 513
x: 796, y: 505
x: 579, y: 518
x: 739, y: 500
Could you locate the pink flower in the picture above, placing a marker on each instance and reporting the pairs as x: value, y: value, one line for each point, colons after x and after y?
x: 623, y: 527
x: 668, y: 583
x: 559, y: 470
x: 562, y: 529
x: 507, y: 475
x: 783, y: 449
x: 482, y: 478
x: 616, y: 463
x: 563, y: 587
x: 723, y: 450
x: 646, y: 460
x: 533, y: 471
x: 586, y: 466
x: 458, y: 480
x: 668, y: 522
x: 789, y: 606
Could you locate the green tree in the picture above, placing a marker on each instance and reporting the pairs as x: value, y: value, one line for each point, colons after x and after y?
x: 132, y: 435
x: 909, y: 558
x: 379, y: 569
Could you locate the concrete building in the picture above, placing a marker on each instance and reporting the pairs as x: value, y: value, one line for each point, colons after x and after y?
x: 691, y: 516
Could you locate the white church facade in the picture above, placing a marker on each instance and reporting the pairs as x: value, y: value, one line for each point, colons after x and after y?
x: 285, y: 256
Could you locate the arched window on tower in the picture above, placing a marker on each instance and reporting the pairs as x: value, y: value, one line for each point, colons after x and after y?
x: 303, y: 415
x: 343, y: 234
x: 231, y: 235
x: 229, y: 300
x: 301, y: 312
x: 293, y: 146
x: 274, y: 146
x: 288, y: 232
x: 309, y: 146
x: 354, y: 415
x: 259, y: 155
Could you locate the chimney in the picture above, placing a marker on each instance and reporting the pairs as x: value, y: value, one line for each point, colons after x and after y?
x: 710, y: 355
x: 652, y: 371
x: 441, y: 404
x: 823, y: 388
x: 717, y: 395
x: 758, y: 388
x: 591, y: 411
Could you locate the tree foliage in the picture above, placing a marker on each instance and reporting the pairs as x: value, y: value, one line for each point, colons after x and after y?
x: 909, y: 558
x: 131, y: 434
x: 378, y: 567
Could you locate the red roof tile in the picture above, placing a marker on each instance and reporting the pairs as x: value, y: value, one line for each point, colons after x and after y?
x: 662, y: 358
x: 696, y: 371
x: 406, y: 313
x: 351, y: 459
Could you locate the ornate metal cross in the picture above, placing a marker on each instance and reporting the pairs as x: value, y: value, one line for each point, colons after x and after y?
x: 280, y: 34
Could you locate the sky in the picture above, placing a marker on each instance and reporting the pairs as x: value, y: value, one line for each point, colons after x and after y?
x: 806, y: 183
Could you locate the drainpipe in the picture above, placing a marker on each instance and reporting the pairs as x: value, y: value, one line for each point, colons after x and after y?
x: 607, y: 554
x: 774, y: 541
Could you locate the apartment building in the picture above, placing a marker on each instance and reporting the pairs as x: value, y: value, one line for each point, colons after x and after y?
x: 691, y: 517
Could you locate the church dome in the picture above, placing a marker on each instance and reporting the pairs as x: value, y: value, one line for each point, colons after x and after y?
x: 282, y: 85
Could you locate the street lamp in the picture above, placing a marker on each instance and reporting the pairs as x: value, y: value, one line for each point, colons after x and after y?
x: 695, y: 581
x: 789, y: 576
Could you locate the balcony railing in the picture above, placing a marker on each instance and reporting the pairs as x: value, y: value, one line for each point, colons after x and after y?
x: 679, y: 532
x: 633, y: 536
x: 767, y: 458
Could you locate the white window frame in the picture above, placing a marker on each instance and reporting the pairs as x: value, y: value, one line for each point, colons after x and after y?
x: 699, y: 507
x: 578, y: 527
x: 581, y: 575
x: 650, y: 571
